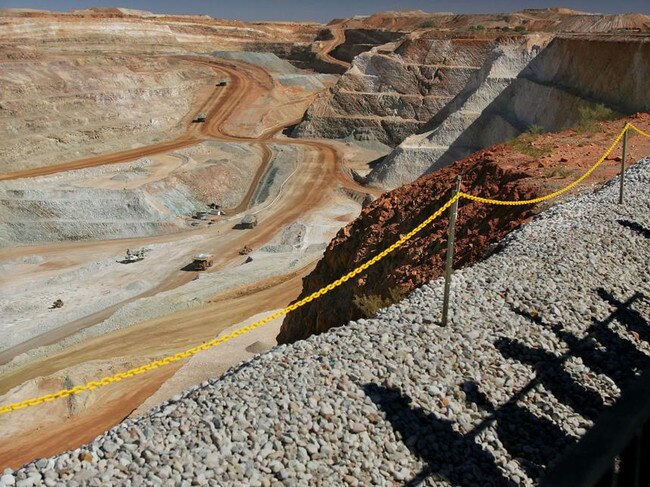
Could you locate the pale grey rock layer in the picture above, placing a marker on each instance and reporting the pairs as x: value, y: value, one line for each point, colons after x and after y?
x: 519, y: 87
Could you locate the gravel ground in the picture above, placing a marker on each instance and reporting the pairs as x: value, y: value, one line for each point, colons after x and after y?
x: 544, y: 335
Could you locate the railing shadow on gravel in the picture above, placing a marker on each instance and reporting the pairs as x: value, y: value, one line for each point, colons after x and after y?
x: 637, y: 227
x: 434, y: 441
x: 535, y: 441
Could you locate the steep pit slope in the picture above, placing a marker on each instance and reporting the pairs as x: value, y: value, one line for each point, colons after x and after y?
x: 546, y: 336
x: 392, y: 91
x: 417, y: 154
x: 358, y: 41
x: 148, y: 196
x: 499, y: 172
x: 99, y: 30
x: 60, y: 107
x: 419, y: 82
x: 570, y: 74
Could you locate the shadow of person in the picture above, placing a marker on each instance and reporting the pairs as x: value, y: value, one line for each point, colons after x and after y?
x: 448, y: 454
x: 534, y: 441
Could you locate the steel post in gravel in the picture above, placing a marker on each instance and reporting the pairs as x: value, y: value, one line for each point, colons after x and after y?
x: 622, y: 176
x: 453, y: 211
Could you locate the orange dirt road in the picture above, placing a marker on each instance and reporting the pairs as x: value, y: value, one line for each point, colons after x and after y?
x: 70, y: 433
x: 338, y: 38
x: 116, y: 402
x: 112, y: 158
x: 318, y: 168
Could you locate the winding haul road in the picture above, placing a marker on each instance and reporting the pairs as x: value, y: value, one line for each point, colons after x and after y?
x: 338, y: 38
x: 310, y: 187
x: 319, y: 169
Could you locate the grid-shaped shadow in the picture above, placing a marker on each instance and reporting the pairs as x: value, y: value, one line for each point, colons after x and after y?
x: 532, y: 440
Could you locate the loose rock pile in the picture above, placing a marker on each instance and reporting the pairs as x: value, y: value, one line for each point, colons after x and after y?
x: 544, y: 335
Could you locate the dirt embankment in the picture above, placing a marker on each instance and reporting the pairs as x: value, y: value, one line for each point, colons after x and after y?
x: 500, y: 172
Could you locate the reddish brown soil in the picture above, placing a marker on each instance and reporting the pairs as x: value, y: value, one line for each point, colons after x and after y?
x: 498, y: 172
x: 74, y: 431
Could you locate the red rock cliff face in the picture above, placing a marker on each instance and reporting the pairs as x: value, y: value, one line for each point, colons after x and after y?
x: 500, y: 172
x: 420, y: 259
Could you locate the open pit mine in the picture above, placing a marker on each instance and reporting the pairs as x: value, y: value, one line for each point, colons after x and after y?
x: 166, y: 180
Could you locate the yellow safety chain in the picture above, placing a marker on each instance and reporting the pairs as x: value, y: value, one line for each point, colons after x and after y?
x: 89, y: 386
x: 241, y: 331
x: 632, y: 126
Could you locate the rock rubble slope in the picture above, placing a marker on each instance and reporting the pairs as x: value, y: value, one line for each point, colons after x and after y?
x: 544, y: 336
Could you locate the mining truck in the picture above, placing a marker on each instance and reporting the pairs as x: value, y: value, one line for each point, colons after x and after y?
x: 202, y: 262
x: 222, y: 82
x: 200, y: 118
x: 249, y: 221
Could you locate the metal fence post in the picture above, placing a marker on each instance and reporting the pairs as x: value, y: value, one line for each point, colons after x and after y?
x: 620, y: 195
x: 453, y: 211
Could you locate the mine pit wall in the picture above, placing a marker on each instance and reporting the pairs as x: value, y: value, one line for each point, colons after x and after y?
x: 615, y: 72
x: 129, y: 199
x: 358, y: 41
x: 420, y: 152
x: 58, y: 108
x: 393, y: 91
x: 301, y: 55
x: 30, y: 216
x: 571, y: 72
x: 568, y: 74
x: 305, y: 56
